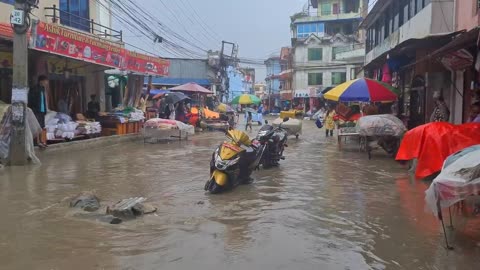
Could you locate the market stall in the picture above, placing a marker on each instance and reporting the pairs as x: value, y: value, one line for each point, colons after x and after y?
x: 383, y: 130
x: 458, y: 180
x: 359, y: 90
x: 432, y: 143
x: 157, y: 129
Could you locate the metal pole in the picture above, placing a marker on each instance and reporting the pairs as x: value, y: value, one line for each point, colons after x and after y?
x: 17, y: 153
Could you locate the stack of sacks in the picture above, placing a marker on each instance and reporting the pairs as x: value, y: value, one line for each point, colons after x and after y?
x: 136, y: 115
x: 51, y: 126
x: 88, y: 128
x: 63, y: 118
x: 66, y: 131
x: 161, y: 123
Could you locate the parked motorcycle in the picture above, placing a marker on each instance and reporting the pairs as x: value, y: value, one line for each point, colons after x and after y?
x: 274, y: 139
x: 233, y: 162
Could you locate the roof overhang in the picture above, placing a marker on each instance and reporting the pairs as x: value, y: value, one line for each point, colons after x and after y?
x: 431, y: 41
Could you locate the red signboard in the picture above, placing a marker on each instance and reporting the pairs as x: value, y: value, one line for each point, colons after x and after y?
x: 6, y: 31
x: 63, y: 41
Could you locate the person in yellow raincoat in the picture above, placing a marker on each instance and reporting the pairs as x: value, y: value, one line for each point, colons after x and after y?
x: 329, y: 122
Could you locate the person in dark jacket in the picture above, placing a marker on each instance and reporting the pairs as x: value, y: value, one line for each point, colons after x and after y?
x: 37, y: 101
x: 93, y: 107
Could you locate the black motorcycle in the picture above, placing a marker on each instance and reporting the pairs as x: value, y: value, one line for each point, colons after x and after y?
x: 274, y: 140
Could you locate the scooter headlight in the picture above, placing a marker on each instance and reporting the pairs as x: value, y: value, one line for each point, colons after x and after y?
x: 224, y: 164
x: 262, y: 133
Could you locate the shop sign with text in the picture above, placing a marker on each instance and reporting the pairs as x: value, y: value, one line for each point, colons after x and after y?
x: 63, y: 41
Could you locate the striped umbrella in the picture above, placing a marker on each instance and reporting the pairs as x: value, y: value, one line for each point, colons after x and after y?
x: 246, y: 99
x: 365, y: 90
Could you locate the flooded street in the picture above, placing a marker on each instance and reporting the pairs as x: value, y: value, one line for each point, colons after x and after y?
x: 321, y: 209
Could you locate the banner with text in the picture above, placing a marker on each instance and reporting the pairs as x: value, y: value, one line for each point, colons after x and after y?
x: 63, y: 41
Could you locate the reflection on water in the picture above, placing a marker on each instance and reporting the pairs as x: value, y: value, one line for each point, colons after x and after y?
x: 321, y: 209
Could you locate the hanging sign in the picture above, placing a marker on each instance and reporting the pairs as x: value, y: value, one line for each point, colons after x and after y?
x: 59, y: 40
x: 458, y: 60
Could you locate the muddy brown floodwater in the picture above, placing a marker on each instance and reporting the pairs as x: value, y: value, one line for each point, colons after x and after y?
x: 321, y: 209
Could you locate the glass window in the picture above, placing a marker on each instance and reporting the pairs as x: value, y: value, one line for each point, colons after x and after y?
x: 419, y: 5
x: 326, y: 9
x: 412, y: 8
x: 406, y: 12
x: 339, y: 77
x: 315, y: 54
x: 315, y: 78
x: 321, y: 28
x: 75, y: 13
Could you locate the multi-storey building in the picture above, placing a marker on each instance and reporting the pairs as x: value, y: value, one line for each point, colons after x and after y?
x: 402, y: 36
x: 327, y: 49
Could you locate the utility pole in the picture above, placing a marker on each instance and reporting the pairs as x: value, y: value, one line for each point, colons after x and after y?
x: 20, y: 21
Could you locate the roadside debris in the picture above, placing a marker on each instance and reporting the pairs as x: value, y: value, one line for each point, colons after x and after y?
x: 87, y: 201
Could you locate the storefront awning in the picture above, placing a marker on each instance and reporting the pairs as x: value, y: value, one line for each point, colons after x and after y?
x: 462, y: 41
x: 66, y: 42
x: 6, y: 31
x: 178, y: 81
x: 411, y: 45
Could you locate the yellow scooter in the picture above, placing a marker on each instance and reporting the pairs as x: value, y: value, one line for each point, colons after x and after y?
x: 233, y: 162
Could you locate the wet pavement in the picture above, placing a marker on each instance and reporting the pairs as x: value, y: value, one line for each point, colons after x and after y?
x: 321, y: 209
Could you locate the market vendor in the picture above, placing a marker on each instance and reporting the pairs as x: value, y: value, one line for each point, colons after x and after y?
x: 37, y: 101
x: 93, y: 107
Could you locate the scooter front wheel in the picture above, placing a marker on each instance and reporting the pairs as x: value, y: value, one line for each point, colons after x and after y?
x: 212, y: 187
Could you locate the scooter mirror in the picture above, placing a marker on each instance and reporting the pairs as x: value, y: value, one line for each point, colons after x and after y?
x: 266, y: 122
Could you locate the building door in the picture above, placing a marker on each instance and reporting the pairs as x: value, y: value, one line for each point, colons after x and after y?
x: 417, y: 103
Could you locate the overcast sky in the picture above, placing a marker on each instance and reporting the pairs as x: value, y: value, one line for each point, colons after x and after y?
x: 259, y: 27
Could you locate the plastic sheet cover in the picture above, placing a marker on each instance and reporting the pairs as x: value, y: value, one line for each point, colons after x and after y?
x: 380, y: 125
x: 458, y: 180
x: 32, y: 130
x: 432, y: 143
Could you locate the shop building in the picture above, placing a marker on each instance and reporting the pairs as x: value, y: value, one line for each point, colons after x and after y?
x: 272, y: 81
x: 182, y: 71
x: 401, y: 38
x: 286, y: 77
x: 68, y: 44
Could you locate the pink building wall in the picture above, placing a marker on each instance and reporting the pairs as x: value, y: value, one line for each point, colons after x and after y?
x: 467, y: 15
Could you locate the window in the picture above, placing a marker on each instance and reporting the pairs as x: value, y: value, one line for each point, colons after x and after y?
x: 315, y: 78
x: 406, y: 12
x: 75, y: 13
x: 326, y: 9
x: 396, y: 16
x: 419, y: 6
x: 412, y: 8
x: 8, y: 1
x: 315, y: 54
x: 339, y: 77
x: 304, y: 30
x: 336, y: 8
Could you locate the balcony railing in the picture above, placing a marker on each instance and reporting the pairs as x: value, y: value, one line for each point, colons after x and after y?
x: 81, y: 23
x: 336, y: 51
